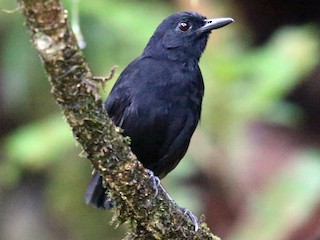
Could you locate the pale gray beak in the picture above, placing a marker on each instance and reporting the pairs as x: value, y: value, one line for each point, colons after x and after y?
x: 215, y: 23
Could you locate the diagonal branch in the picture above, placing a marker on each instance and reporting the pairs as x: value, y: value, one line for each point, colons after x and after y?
x: 151, y: 212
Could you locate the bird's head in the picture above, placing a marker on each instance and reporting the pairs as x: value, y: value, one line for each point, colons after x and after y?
x: 183, y: 36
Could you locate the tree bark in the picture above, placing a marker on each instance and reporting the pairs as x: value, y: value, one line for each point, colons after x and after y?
x: 145, y: 205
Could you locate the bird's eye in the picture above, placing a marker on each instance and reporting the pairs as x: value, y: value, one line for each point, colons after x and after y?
x: 184, y: 26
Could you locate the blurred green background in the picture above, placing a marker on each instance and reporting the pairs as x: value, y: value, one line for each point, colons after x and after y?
x: 253, y: 167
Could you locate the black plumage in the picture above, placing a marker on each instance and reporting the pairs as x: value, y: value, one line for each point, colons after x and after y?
x: 157, y: 98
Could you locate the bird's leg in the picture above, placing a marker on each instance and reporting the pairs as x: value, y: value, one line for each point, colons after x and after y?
x: 103, y: 80
x: 165, y: 192
x: 156, y: 184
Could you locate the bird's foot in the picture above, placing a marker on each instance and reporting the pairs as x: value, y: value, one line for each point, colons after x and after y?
x: 108, y: 204
x: 155, y: 182
x: 192, y: 217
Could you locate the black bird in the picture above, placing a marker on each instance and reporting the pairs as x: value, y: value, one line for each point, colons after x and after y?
x: 157, y: 98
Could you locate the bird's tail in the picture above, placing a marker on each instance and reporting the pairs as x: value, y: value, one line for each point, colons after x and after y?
x: 96, y: 194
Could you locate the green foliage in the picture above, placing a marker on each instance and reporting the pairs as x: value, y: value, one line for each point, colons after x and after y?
x: 34, y: 146
x: 286, y: 202
x: 246, y: 84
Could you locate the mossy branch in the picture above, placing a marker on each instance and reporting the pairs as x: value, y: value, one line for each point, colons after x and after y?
x: 150, y: 212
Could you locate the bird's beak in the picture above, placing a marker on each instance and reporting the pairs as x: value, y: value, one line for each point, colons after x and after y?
x: 215, y: 23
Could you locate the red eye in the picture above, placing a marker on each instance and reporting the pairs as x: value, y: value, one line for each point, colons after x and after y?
x: 184, y: 26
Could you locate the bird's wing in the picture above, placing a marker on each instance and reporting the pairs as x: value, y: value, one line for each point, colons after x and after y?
x: 176, y: 144
x: 116, y: 105
x: 120, y: 97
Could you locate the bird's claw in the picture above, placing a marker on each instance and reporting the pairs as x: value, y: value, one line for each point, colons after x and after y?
x: 192, y: 217
x: 156, y: 182
x: 108, y: 204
